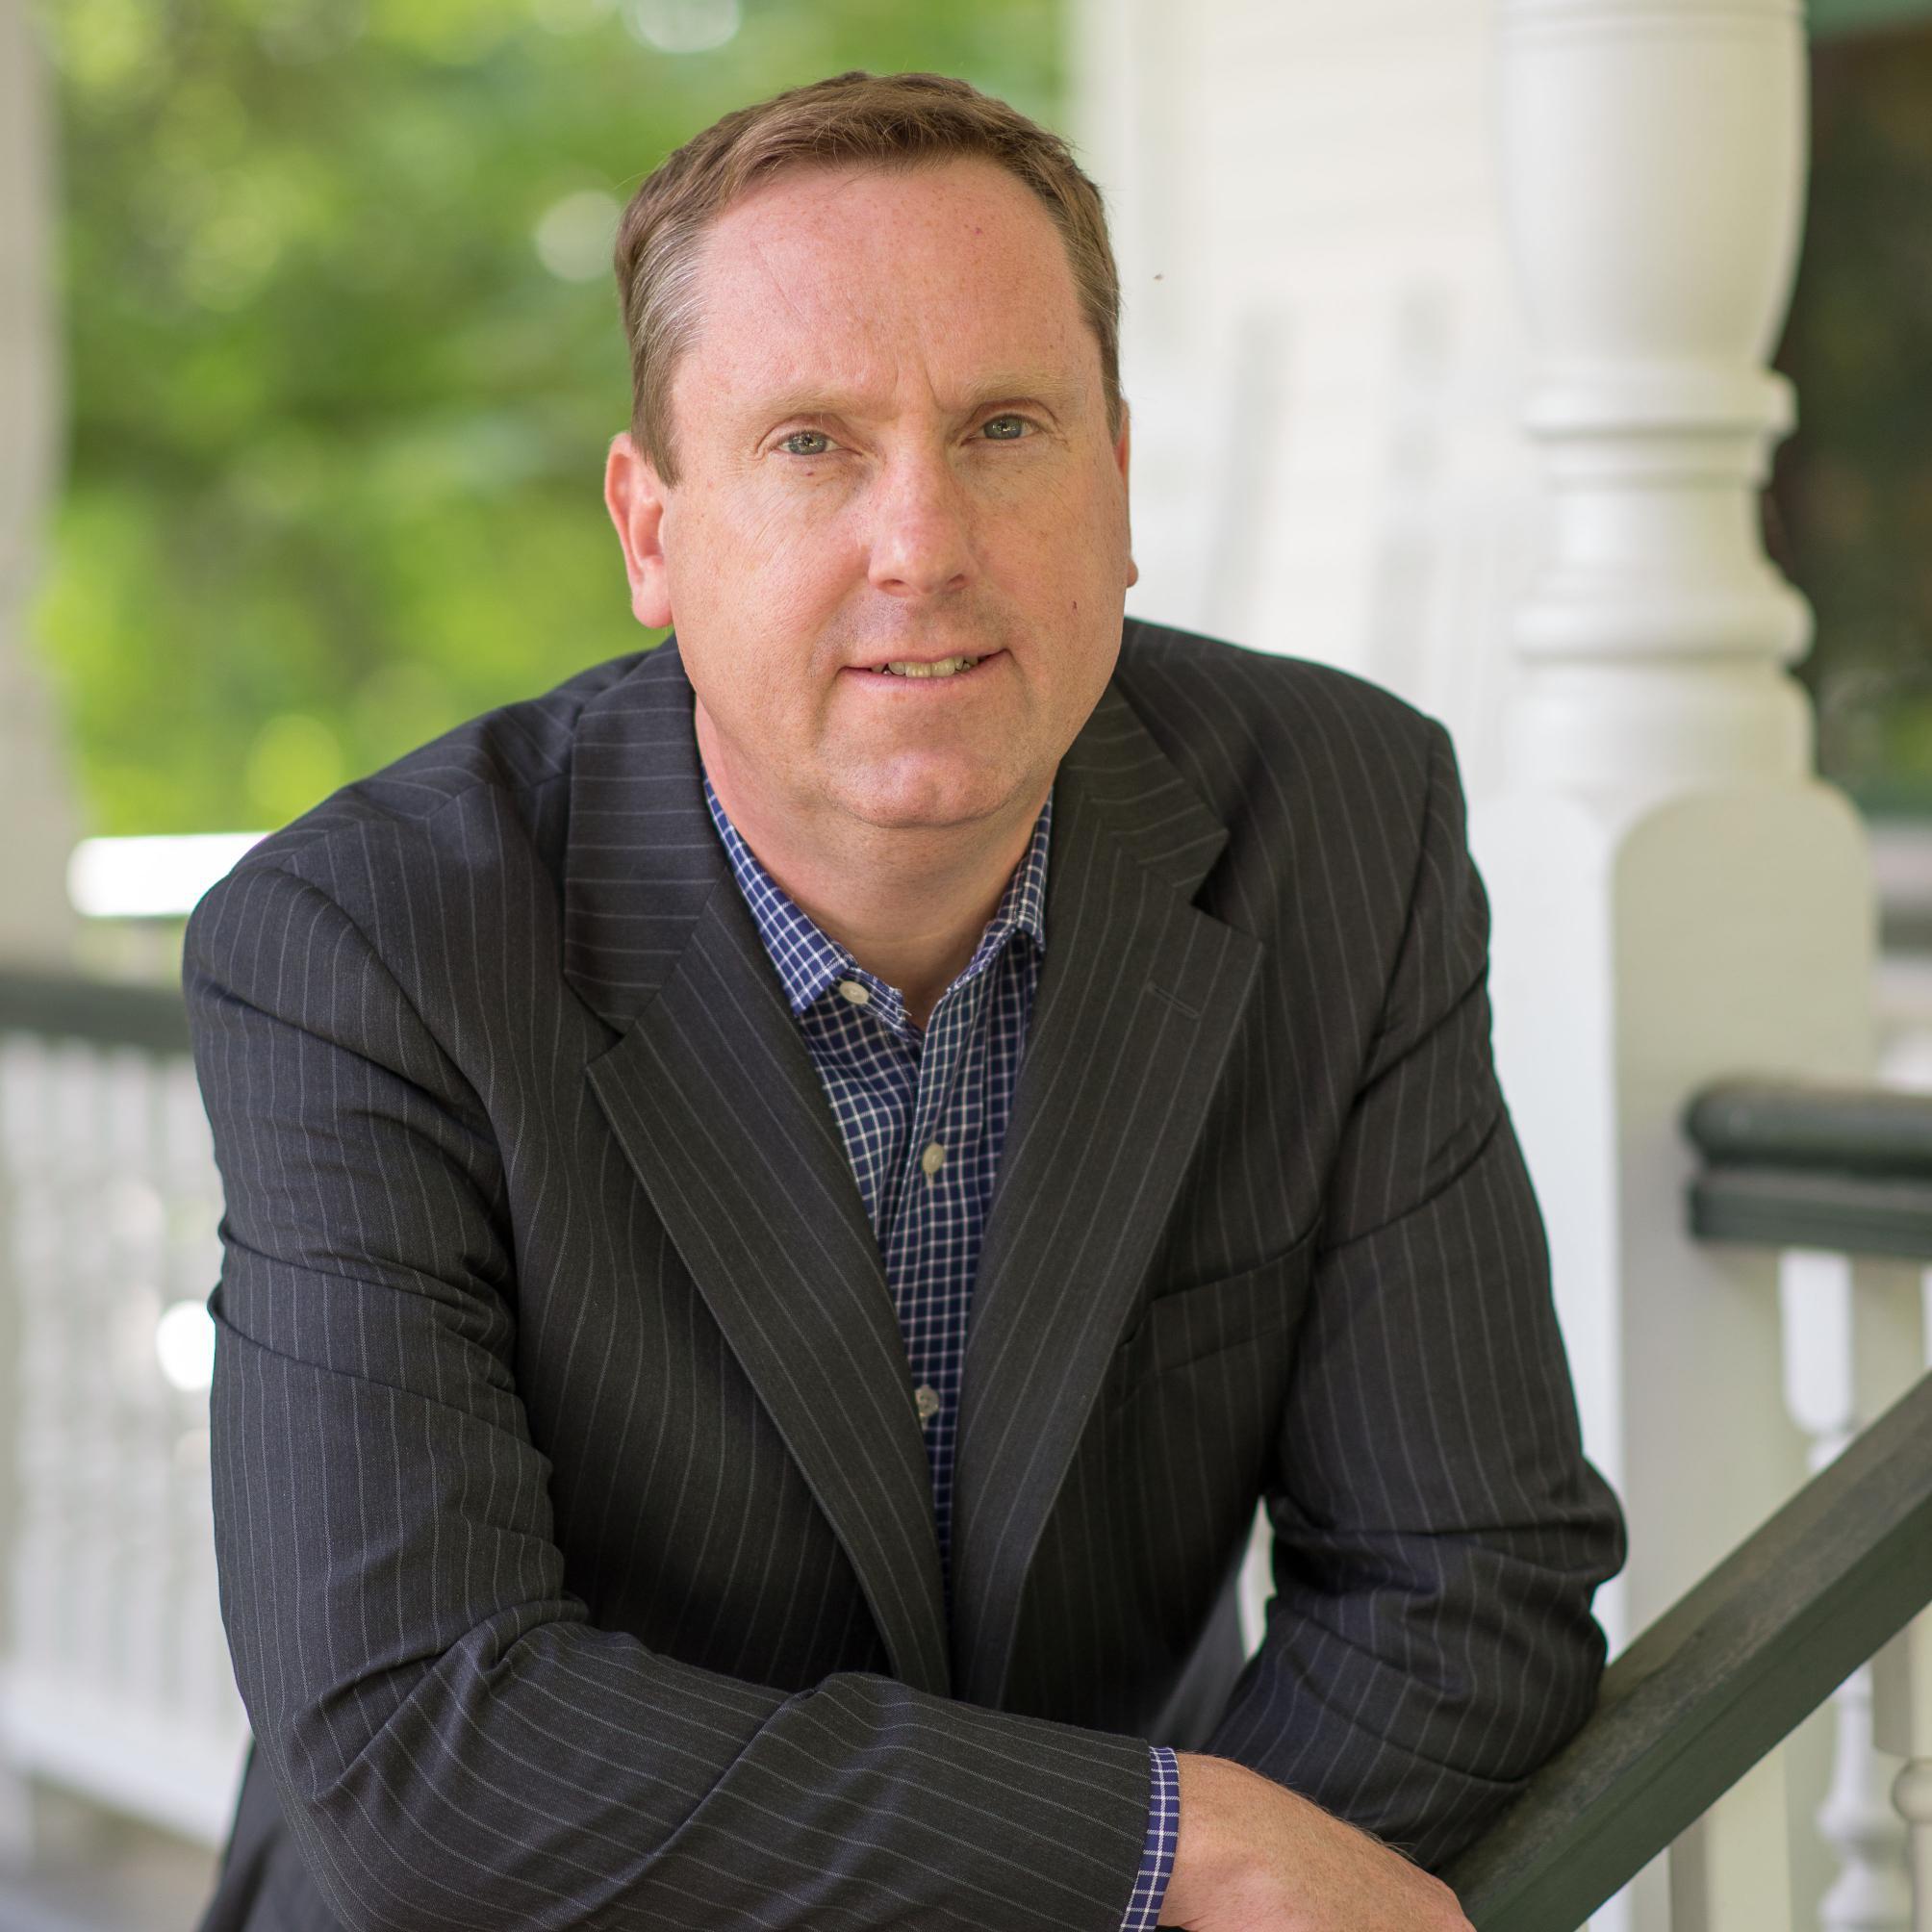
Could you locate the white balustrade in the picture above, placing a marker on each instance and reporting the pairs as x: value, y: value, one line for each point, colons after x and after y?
x: 1852, y: 1340
x: 1821, y: 1307
x: 1902, y: 1718
x: 115, y: 1682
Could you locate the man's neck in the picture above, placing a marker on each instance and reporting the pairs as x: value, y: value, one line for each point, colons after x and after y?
x: 908, y: 902
x: 914, y: 927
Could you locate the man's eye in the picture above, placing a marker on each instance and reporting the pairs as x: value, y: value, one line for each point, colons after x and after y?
x: 817, y: 438
x: 1005, y: 428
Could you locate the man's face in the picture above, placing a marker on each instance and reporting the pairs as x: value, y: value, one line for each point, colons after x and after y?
x: 892, y: 446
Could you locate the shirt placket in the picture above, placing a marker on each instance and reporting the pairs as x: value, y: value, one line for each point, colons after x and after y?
x: 868, y: 1052
x: 930, y: 1290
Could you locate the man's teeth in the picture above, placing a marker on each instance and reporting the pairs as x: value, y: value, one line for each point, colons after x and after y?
x: 944, y: 666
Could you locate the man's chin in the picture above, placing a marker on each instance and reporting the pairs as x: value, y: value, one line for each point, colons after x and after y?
x: 935, y: 800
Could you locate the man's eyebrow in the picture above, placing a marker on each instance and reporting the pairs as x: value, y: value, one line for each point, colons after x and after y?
x: 1016, y: 388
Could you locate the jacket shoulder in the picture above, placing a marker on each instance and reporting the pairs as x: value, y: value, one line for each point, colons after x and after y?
x: 1236, y: 720
x: 504, y: 760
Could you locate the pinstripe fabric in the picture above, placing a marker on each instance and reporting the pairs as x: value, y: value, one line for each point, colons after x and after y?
x: 952, y: 1082
x: 575, y: 1534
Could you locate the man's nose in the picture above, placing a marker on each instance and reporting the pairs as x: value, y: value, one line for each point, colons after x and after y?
x: 922, y: 529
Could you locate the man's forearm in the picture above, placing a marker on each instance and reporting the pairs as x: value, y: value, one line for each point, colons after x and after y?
x: 1254, y: 1857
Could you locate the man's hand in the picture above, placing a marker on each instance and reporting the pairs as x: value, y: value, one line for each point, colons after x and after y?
x: 1253, y: 1856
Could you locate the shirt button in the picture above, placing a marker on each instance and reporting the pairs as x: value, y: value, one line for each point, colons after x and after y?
x: 925, y: 1399
x: 932, y: 1159
x: 853, y: 992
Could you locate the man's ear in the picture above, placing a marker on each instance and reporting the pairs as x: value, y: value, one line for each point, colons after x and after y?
x: 634, y: 495
x: 1119, y: 457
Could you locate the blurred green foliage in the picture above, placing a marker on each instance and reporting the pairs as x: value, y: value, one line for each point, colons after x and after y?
x: 345, y: 355
x: 1852, y: 504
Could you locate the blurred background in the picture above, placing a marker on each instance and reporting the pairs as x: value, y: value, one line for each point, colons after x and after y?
x: 337, y: 328
x: 309, y: 353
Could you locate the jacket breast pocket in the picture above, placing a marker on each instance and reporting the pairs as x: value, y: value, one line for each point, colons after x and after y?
x: 1258, y: 1309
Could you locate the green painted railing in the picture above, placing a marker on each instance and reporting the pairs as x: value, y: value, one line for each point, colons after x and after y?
x: 1848, y: 1169
x: 102, y: 1012
x: 1717, y: 1681
x: 1738, y: 1663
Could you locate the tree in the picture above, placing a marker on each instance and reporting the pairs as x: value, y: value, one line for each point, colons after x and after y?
x: 345, y: 355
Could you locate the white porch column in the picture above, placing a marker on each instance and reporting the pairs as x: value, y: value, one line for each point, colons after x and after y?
x: 1675, y: 895
x: 36, y: 829
x: 35, y: 802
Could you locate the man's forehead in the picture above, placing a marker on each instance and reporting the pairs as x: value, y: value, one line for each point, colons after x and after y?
x: 967, y: 200
x: 825, y: 285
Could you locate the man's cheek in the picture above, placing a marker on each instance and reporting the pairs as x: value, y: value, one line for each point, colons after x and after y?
x: 799, y: 550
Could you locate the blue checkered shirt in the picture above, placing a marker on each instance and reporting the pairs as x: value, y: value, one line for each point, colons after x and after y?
x: 924, y: 1115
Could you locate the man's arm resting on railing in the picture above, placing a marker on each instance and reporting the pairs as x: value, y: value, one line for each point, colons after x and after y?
x: 1437, y: 1531
x: 453, y: 1744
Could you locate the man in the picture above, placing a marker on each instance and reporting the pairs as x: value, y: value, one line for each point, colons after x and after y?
x: 786, y: 1199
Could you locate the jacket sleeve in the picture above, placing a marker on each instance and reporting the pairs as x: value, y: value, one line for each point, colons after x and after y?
x: 453, y: 1744
x: 1437, y: 1531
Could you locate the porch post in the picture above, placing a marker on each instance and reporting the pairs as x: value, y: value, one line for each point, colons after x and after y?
x: 35, y: 924
x: 35, y: 805
x: 1676, y: 897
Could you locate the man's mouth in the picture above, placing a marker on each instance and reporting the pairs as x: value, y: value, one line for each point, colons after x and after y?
x: 941, y: 667
x: 930, y: 667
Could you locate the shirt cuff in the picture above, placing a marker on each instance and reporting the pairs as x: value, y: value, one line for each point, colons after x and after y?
x: 1156, y: 1855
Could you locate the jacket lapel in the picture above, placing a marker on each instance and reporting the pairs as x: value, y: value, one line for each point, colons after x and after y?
x: 715, y: 1101
x: 1139, y: 999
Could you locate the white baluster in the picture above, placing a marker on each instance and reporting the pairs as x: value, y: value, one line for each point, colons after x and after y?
x: 1902, y: 1682
x: 20, y: 1092
x: 1872, y: 1892
x: 1818, y: 1296
x: 141, y: 1660
x: 89, y: 1295
x: 1902, y: 1720
x: 1728, y: 1872
x: 186, y: 1175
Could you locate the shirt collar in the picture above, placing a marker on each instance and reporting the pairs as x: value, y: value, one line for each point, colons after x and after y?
x: 810, y: 961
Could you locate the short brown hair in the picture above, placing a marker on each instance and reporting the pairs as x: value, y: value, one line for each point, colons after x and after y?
x: 853, y: 119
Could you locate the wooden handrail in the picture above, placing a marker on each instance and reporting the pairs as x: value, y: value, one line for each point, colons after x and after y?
x: 1717, y: 1681
x: 152, y: 1019
x: 1727, y: 1673
x: 1871, y: 1131
x: 1848, y: 1169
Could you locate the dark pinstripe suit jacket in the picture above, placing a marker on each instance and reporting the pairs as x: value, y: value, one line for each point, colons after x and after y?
x: 575, y: 1538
